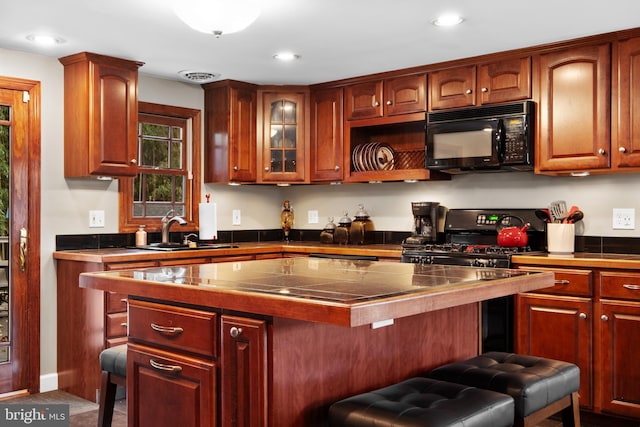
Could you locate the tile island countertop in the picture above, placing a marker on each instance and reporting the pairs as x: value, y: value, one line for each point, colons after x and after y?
x: 340, y: 292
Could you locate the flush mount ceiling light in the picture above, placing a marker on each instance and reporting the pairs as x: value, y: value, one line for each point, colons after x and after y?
x: 44, y: 39
x: 218, y: 16
x: 448, y: 20
x: 199, y: 77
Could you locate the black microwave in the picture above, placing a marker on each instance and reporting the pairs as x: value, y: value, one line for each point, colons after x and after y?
x: 489, y: 138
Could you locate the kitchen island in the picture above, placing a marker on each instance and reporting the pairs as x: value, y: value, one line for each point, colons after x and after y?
x: 275, y: 342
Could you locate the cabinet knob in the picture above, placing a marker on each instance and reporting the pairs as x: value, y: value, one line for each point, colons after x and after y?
x: 622, y: 150
x: 604, y: 317
x: 468, y: 91
x: 133, y: 161
x: 266, y: 168
x: 484, y: 89
x: 376, y: 104
x: 235, y: 332
x: 583, y: 315
x: 389, y: 102
x: 602, y: 151
x: 337, y: 168
x: 235, y: 168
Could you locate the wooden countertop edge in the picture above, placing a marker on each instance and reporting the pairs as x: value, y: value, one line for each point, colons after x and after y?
x: 585, y: 260
x: 348, y: 315
x: 133, y: 255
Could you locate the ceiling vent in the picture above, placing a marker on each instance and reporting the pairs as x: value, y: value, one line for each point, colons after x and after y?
x: 199, y: 77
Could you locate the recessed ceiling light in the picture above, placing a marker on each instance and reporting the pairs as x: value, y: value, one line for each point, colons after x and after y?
x: 285, y: 56
x: 448, y: 20
x: 45, y: 40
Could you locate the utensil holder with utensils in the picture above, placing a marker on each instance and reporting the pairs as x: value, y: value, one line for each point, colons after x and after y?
x: 561, y: 238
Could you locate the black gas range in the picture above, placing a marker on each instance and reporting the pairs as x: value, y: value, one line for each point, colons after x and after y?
x: 470, y: 238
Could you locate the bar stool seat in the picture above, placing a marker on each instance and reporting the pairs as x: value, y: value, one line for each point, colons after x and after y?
x: 113, y: 363
x: 424, y: 402
x: 540, y: 387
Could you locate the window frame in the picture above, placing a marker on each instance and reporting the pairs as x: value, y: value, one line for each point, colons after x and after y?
x: 129, y: 223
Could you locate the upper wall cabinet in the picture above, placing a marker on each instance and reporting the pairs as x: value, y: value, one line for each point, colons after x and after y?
x: 230, y: 132
x: 100, y: 116
x: 574, y: 106
x: 283, y: 135
x: 385, y: 98
x: 326, y: 142
x: 489, y: 83
x: 625, y: 145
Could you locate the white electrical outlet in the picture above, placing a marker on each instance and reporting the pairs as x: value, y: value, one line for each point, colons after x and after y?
x: 235, y: 217
x: 96, y: 219
x: 624, y: 219
x: 312, y: 217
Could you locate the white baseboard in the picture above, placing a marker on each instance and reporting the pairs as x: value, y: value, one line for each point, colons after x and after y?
x: 48, y: 382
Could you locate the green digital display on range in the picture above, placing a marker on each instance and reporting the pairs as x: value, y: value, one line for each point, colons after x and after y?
x: 493, y: 217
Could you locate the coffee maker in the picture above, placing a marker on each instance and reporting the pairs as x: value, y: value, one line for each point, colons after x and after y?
x: 426, y: 217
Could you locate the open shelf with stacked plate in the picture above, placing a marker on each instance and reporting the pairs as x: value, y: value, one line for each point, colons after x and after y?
x: 387, y: 152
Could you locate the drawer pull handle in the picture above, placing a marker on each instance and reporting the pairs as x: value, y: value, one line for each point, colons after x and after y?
x: 123, y: 324
x: 167, y: 330
x: 562, y: 282
x: 175, y: 369
x: 124, y: 300
x: 235, y: 332
x: 631, y: 287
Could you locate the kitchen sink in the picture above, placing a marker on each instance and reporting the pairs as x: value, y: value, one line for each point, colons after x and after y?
x: 168, y: 247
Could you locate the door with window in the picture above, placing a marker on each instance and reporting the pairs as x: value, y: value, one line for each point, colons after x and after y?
x: 19, y: 235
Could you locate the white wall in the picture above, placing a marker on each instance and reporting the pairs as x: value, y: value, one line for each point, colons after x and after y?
x: 66, y: 202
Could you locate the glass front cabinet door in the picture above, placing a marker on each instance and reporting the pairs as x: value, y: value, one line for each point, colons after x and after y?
x: 283, y: 137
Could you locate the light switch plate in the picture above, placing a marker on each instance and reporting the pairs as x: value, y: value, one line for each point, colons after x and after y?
x: 236, y: 217
x: 312, y: 217
x: 96, y: 219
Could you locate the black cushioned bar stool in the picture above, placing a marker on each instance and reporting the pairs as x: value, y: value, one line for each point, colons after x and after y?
x: 540, y: 387
x: 113, y: 362
x: 424, y: 402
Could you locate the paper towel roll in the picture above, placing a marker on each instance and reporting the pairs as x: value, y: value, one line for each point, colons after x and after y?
x: 208, y: 222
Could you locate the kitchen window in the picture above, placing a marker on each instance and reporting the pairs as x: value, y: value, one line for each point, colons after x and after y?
x: 168, y: 176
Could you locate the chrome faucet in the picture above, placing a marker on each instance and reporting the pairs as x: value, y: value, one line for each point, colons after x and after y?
x: 166, y: 224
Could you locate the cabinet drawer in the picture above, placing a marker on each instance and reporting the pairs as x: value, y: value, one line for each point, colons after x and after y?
x: 180, y: 328
x: 620, y: 285
x: 568, y: 282
x: 116, y: 325
x: 116, y: 302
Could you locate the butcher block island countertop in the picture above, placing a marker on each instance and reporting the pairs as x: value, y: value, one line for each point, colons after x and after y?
x: 340, y: 292
x: 275, y: 342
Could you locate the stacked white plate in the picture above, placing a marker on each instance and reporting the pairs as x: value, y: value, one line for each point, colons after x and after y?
x: 372, y: 156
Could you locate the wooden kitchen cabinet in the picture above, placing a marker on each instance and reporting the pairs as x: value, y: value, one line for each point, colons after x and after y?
x: 389, y: 97
x: 326, y: 135
x: 100, y: 116
x: 230, y: 132
x: 243, y: 372
x: 172, y: 349
x: 559, y: 328
x: 618, y: 329
x: 574, y: 131
x: 557, y: 323
x: 283, y: 142
x: 489, y: 83
x: 625, y: 146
